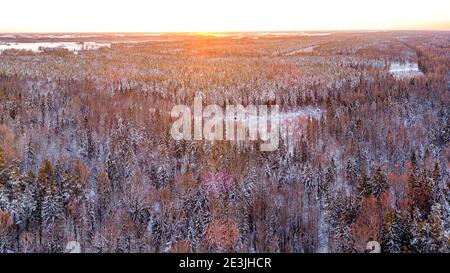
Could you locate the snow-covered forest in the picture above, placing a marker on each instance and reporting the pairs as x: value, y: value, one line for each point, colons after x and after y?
x: 86, y: 153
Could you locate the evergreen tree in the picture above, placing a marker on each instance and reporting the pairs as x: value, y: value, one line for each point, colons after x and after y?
x: 29, y: 199
x: 379, y: 183
x: 162, y: 176
x: 31, y: 157
x: 364, y: 187
x: 412, y: 181
x: 36, y: 192
x: 104, y: 193
x: 16, y: 206
x: 351, y: 173
x: 419, y: 233
x: 71, y: 188
x: 438, y: 239
x: 4, y: 176
x: 46, y: 178
x: 414, y: 162
x: 4, y: 199
x: 52, y: 207
x: 391, y: 233
x: 330, y: 175
x: 52, y: 199
x: 437, y: 193
x: 58, y: 175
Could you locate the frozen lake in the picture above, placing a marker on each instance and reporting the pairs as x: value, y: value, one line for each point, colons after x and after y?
x: 37, y: 47
x: 405, y: 70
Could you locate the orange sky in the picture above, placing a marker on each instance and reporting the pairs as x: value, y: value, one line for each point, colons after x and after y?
x: 225, y: 15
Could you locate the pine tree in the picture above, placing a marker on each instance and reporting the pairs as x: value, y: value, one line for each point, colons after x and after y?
x: 6, y: 232
x: 52, y: 199
x: 404, y: 224
x: 162, y: 176
x: 4, y: 176
x: 391, y: 233
x: 104, y: 193
x: 66, y: 181
x: 379, y: 183
x: 4, y: 199
x: 414, y: 161
x: 436, y: 190
x: 36, y: 192
x: 344, y: 242
x: 52, y: 207
x: 29, y: 199
x: 422, y: 193
x: 31, y: 157
x: 436, y: 172
x: 112, y: 169
x: 351, y: 173
x: 58, y: 174
x: 46, y: 177
x: 71, y: 188
x: 330, y: 175
x: 88, y: 145
x: 438, y: 239
x: 16, y: 205
x: 364, y: 187
x: 4, y: 193
x: 412, y: 182
x: 419, y: 233
x: 320, y: 182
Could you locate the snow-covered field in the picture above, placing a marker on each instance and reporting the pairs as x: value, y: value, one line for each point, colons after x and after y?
x: 308, y: 49
x: 405, y: 70
x: 36, y: 47
x: 287, y: 117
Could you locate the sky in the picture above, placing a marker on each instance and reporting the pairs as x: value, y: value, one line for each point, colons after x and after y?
x: 220, y: 16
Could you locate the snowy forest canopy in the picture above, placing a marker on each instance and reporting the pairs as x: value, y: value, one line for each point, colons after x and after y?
x: 86, y: 154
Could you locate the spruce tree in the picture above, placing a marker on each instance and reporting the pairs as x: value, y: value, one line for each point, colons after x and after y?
x: 364, y: 187
x: 379, y: 183
x: 16, y: 205
x: 438, y: 238
x: 52, y: 199
x: 31, y: 157
x: 391, y: 234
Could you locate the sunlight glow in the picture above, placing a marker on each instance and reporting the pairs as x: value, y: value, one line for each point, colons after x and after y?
x: 217, y: 16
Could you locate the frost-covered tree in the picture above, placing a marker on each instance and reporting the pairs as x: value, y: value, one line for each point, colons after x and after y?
x: 16, y: 205
x: 439, y: 241
x: 379, y: 183
x: 391, y: 233
x: 31, y: 155
x: 364, y: 187
x: 52, y: 206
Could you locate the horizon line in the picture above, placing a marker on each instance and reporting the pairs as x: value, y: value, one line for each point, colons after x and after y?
x: 229, y: 31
